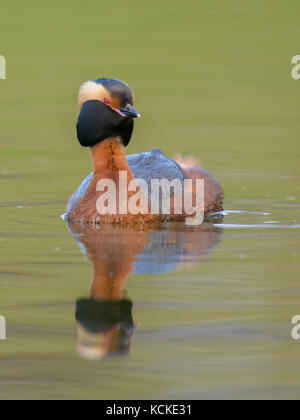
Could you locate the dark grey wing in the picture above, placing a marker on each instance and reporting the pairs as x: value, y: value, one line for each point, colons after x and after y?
x: 154, y: 165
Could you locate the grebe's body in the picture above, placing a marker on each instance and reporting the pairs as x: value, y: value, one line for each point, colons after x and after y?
x: 105, y: 124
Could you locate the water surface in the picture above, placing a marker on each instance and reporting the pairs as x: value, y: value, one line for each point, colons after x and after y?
x: 211, y: 306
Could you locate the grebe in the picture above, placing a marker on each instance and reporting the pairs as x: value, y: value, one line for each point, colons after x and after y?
x: 105, y: 125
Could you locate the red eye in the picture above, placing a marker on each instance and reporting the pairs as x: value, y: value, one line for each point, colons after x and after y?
x: 106, y: 101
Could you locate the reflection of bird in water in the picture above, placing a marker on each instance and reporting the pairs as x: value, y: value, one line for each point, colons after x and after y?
x: 104, y: 327
x: 166, y: 250
x: 105, y: 323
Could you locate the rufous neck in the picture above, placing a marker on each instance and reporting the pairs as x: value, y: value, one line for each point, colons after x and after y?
x: 109, y: 155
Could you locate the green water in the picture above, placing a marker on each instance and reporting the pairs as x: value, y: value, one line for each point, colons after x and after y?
x: 212, y: 79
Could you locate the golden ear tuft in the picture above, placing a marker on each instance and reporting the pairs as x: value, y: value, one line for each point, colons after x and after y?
x: 91, y: 91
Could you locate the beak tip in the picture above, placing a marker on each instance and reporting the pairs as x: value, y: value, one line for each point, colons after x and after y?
x: 129, y: 112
